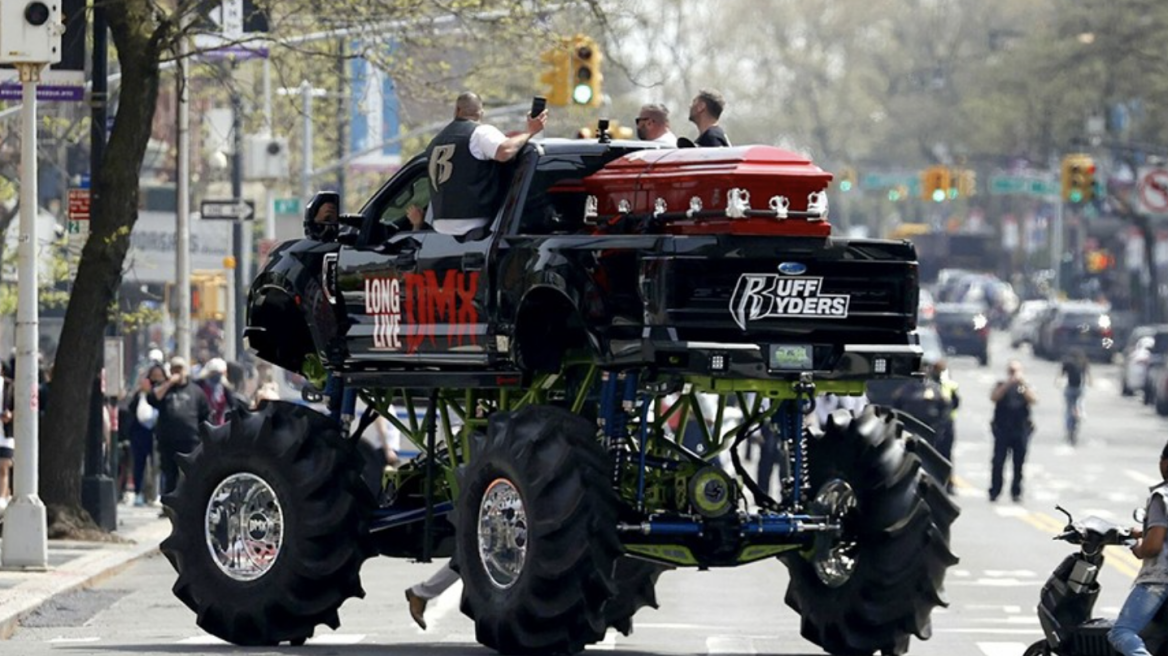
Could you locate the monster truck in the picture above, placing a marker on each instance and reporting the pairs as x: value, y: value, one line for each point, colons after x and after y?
x: 577, y: 377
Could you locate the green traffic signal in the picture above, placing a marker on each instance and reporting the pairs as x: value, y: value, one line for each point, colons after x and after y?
x: 938, y: 195
x: 1076, y: 196
x: 893, y: 195
x: 845, y: 185
x: 582, y: 94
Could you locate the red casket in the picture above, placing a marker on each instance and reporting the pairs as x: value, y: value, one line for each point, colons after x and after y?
x: 768, y: 190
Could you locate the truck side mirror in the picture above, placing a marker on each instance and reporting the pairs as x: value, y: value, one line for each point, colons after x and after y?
x: 353, y: 220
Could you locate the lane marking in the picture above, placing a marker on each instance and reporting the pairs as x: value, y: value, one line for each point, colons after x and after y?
x: 201, y: 641
x: 1141, y: 478
x: 730, y: 645
x: 337, y: 639
x: 1001, y: 648
x: 66, y: 641
x: 608, y: 644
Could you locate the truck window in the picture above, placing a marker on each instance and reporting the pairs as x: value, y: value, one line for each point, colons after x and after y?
x: 555, y: 199
x: 416, y: 193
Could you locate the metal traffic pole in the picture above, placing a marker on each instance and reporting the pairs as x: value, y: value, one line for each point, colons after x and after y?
x: 26, y: 537
x: 182, y: 254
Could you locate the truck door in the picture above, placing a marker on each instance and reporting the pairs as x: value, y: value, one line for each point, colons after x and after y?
x: 372, y: 276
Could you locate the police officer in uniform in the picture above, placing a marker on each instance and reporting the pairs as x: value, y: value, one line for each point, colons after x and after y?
x: 463, y: 166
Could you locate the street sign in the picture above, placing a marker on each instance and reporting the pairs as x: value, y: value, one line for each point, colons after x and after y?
x: 232, y: 210
x: 1152, y: 191
x: 1021, y: 185
x: 287, y: 206
x: 78, y: 211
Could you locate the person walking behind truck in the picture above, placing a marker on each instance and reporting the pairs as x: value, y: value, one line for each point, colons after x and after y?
x: 947, y: 434
x: 1078, y: 376
x: 182, y: 408
x: 142, y: 417
x: 1151, y: 585
x: 1011, y: 427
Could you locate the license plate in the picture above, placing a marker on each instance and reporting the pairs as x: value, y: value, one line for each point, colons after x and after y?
x: 790, y: 357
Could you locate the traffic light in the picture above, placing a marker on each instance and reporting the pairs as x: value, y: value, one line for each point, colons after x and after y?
x: 935, y: 183
x: 585, y: 67
x: 556, y: 77
x: 847, y: 179
x: 1078, y: 178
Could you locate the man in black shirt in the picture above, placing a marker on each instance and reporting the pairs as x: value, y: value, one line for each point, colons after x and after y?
x: 704, y: 111
x: 462, y: 165
x: 182, y: 408
x: 1011, y: 427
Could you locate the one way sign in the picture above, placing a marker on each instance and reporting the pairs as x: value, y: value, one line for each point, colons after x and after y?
x: 231, y: 210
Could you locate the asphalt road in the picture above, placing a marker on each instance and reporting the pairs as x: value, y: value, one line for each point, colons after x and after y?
x: 1005, y: 549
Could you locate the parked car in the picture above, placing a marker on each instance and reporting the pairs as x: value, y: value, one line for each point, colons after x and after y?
x: 964, y: 330
x: 1024, y: 326
x: 1137, y: 356
x: 1077, y: 324
x: 925, y: 308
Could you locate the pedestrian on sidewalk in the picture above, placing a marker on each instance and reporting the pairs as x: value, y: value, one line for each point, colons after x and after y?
x: 1011, y: 427
x: 1150, y: 589
x: 142, y: 418
x: 182, y: 408
x: 7, y: 439
x: 947, y: 433
x: 1077, y: 375
x: 221, y: 395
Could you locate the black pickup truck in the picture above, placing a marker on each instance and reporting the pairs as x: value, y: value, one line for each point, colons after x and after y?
x: 577, y: 376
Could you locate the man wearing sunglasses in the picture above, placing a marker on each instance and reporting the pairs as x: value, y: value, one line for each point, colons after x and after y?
x: 653, y: 125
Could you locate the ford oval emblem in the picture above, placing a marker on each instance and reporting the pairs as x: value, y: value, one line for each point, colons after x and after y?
x: 792, y: 268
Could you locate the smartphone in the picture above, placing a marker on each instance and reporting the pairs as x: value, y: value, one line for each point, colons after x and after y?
x: 538, y: 104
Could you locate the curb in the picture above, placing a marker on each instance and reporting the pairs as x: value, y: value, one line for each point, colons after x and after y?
x: 78, y: 574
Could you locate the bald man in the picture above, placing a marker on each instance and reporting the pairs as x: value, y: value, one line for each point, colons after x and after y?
x: 463, y: 159
x: 653, y: 124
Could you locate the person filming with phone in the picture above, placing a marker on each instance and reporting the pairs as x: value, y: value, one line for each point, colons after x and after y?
x: 463, y: 165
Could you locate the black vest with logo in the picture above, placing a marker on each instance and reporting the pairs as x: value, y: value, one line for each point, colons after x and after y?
x: 464, y: 187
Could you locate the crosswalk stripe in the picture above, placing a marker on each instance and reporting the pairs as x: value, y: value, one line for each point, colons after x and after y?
x: 337, y: 639
x: 729, y: 645
x: 608, y: 644
x: 1001, y: 648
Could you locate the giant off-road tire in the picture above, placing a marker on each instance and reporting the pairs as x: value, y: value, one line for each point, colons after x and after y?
x: 267, y: 526
x: 875, y: 586
x: 636, y: 588
x: 536, y: 538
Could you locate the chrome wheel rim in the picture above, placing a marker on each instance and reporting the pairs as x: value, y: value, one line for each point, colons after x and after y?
x: 244, y: 527
x: 835, y: 556
x: 502, y: 533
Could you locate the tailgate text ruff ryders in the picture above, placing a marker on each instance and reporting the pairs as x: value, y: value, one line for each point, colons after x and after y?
x: 760, y: 296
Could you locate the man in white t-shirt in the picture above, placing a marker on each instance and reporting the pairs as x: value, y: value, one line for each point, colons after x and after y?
x: 653, y: 125
x: 463, y: 166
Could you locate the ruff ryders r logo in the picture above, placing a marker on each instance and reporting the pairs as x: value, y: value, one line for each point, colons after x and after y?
x: 774, y: 296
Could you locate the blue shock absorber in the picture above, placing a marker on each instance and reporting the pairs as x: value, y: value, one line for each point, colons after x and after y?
x: 610, y: 420
x: 790, y: 421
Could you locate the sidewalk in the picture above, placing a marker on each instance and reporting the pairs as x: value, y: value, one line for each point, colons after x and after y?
x: 74, y: 565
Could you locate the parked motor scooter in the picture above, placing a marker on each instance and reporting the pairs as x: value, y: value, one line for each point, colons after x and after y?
x: 1064, y: 608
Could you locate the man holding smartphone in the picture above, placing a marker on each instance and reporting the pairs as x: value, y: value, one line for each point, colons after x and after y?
x: 463, y: 166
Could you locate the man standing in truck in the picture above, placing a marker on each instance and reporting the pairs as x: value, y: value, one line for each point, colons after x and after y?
x: 463, y: 169
x: 704, y: 112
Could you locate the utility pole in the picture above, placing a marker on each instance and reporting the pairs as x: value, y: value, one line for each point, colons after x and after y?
x: 98, y: 491
x: 306, y: 161
x: 238, y: 295
x: 25, y: 542
x: 342, y: 117
x: 182, y: 230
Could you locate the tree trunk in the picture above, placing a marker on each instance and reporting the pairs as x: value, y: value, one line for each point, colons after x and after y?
x: 99, y: 272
